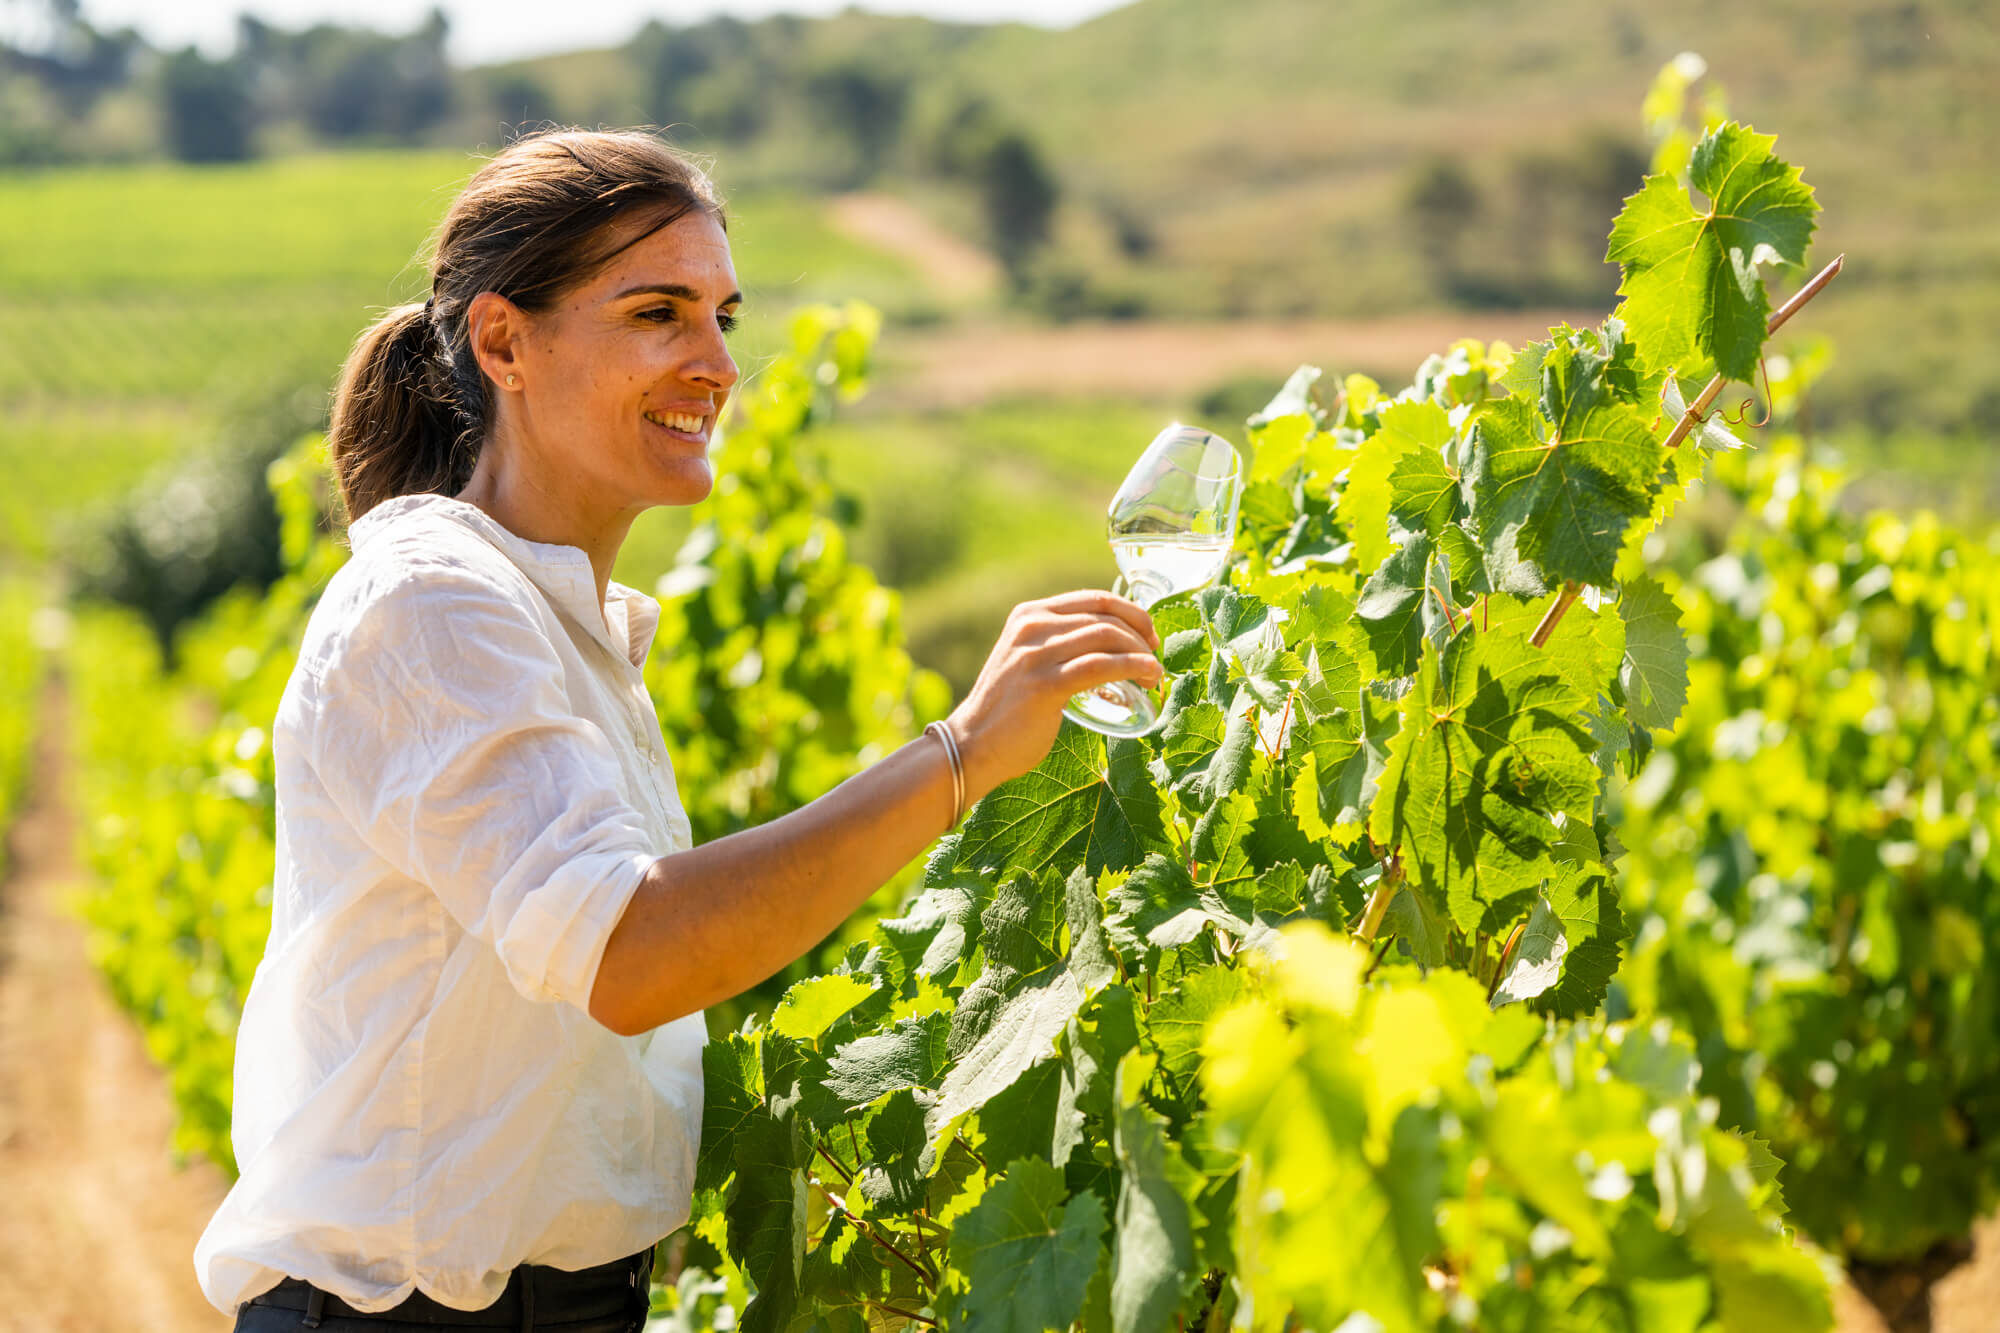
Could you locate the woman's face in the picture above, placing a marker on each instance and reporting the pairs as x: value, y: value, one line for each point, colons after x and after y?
x: 620, y: 382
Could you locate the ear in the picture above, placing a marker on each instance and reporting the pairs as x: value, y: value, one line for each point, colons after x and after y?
x: 497, y: 330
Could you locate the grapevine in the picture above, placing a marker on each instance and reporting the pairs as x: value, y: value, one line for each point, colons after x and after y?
x: 1817, y: 846
x: 1115, y: 1066
x: 1290, y: 1012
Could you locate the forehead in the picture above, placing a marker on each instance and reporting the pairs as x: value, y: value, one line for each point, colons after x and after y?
x: 691, y: 251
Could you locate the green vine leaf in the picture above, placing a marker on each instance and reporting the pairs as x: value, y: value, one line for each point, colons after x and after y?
x: 913, y: 1053
x: 1491, y: 747
x: 1654, y: 669
x: 1086, y: 803
x: 1537, y: 960
x: 1593, y: 924
x: 1154, y: 1248
x: 1027, y: 1253
x: 1391, y: 608
x: 1690, y: 283
x: 1368, y: 495
x: 816, y: 1004
x: 1562, y: 490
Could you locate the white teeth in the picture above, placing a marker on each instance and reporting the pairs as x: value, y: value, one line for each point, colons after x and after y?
x: 681, y: 421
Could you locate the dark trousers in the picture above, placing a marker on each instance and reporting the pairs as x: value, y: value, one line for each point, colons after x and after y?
x: 610, y: 1298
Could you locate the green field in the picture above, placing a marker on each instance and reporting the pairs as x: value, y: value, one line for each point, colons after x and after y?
x: 160, y: 303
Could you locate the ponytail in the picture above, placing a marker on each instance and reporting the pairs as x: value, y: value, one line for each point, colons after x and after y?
x: 397, y: 427
x: 413, y: 407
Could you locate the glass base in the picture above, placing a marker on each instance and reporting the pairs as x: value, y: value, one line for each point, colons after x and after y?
x: 1118, y: 709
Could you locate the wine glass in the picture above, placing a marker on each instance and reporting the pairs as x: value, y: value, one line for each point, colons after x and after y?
x: 1171, y: 525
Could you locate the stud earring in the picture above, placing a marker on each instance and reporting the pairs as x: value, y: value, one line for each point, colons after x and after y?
x: 511, y: 379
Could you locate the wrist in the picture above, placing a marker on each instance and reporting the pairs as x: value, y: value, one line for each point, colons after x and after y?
x: 942, y: 732
x: 976, y: 756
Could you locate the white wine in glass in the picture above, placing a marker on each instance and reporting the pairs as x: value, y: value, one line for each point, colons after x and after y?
x: 1171, y: 525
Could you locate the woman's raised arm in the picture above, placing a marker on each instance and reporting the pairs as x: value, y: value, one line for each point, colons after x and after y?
x: 711, y: 922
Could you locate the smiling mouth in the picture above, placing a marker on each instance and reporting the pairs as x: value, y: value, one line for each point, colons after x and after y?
x: 687, y: 423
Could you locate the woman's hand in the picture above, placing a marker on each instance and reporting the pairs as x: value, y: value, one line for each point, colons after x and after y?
x: 711, y: 921
x: 1048, y: 650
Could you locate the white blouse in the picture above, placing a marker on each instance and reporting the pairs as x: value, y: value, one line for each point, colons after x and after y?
x: 470, y: 785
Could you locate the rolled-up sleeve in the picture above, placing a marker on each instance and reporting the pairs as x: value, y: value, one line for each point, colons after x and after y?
x: 443, y: 732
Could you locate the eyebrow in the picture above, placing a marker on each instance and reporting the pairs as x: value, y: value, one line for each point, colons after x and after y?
x: 675, y: 289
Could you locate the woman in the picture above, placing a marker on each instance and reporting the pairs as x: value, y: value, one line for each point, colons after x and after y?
x: 468, y: 1077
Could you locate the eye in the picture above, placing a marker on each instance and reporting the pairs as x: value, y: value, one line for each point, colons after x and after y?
x: 726, y: 321
x: 665, y: 314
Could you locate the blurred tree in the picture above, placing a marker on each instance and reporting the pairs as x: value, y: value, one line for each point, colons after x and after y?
x: 1019, y: 194
x: 1534, y: 180
x: 521, y: 100
x: 201, y: 525
x: 1441, y: 201
x: 865, y: 102
x: 1131, y: 229
x: 1556, y: 201
x: 1602, y: 169
x: 963, y: 137
x: 350, y: 83
x: 78, y: 64
x: 715, y: 78
x: 205, y: 105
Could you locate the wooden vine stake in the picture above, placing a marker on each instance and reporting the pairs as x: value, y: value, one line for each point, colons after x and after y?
x: 1691, y: 418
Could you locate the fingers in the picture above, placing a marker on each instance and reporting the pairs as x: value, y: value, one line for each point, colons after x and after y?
x: 1092, y: 669
x: 1096, y: 635
x: 1094, y: 601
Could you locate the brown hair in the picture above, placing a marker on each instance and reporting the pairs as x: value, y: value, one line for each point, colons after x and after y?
x: 534, y: 223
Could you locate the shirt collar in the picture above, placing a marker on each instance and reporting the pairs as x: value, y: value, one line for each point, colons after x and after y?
x: 562, y: 572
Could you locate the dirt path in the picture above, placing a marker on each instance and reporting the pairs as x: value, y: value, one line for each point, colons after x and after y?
x: 98, y: 1229
x: 1964, y: 1300
x: 958, y: 269
x: 964, y: 364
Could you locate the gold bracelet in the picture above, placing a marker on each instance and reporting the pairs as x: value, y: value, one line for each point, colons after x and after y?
x: 942, y: 730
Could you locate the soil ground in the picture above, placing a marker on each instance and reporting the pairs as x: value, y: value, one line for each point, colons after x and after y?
x: 968, y: 363
x: 99, y: 1225
x: 955, y: 268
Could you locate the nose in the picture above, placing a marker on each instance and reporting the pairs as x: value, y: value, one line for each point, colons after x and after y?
x: 712, y: 366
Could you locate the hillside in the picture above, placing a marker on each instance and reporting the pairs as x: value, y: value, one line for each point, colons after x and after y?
x: 1259, y: 160
x: 1271, y: 152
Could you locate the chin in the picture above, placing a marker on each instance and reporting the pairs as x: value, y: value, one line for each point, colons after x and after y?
x: 686, y: 485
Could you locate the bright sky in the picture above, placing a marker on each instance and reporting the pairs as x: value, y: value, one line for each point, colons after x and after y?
x: 483, y: 31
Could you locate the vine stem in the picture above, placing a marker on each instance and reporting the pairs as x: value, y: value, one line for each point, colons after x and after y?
x: 1450, y: 617
x: 902, y: 1314
x: 1506, y: 956
x: 1696, y: 410
x: 1378, y: 907
x: 861, y: 1225
x: 1376, y: 961
x: 1699, y: 407
x: 839, y: 1170
x: 1555, y: 613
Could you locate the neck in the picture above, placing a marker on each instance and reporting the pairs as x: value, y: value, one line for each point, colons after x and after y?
x: 522, y: 502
